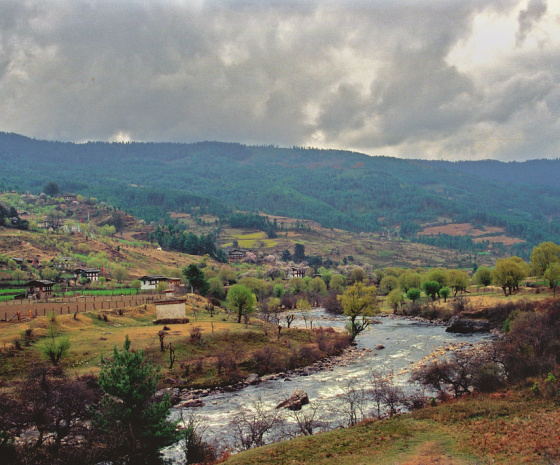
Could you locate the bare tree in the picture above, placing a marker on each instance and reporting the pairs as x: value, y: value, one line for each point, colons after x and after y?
x: 385, y: 393
x: 306, y: 422
x: 352, y: 402
x: 196, y: 450
x: 255, y: 425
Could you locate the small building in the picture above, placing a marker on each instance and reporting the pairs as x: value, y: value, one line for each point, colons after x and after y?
x: 70, y: 197
x: 39, y: 288
x: 150, y: 282
x: 90, y: 273
x: 174, y: 283
x: 236, y: 254
x: 295, y: 272
x: 171, y: 311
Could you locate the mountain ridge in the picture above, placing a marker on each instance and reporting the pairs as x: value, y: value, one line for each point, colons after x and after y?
x: 336, y: 188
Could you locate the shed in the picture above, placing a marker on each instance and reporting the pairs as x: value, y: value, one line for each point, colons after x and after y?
x: 171, y: 311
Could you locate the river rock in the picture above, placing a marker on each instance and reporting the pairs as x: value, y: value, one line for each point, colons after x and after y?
x: 297, y: 400
x: 174, y: 395
x: 192, y: 403
x: 379, y: 347
x: 467, y: 325
x: 253, y: 378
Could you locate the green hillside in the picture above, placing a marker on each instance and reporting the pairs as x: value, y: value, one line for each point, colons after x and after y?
x: 338, y: 189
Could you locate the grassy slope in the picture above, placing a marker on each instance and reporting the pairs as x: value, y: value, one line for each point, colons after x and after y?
x: 514, y: 429
x: 92, y: 337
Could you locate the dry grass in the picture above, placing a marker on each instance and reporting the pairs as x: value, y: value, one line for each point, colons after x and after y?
x: 513, y: 430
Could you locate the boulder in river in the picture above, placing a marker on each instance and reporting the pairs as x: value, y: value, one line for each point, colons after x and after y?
x: 297, y: 400
x: 379, y: 347
x: 467, y: 325
x: 253, y: 378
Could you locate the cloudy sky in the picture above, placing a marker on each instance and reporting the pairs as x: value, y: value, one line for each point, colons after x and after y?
x: 451, y: 79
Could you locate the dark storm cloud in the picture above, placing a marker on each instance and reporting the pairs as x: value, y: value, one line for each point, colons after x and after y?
x: 368, y: 75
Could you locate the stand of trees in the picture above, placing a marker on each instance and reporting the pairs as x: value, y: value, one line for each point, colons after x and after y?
x: 173, y: 237
x: 9, y: 218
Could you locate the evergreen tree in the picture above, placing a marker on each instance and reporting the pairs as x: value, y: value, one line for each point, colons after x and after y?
x: 136, y: 425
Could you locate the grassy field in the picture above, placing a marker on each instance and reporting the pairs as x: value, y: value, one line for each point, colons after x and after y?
x: 198, y: 344
x: 512, y: 428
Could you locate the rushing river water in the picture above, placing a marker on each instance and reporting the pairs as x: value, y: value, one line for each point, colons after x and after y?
x: 405, y: 343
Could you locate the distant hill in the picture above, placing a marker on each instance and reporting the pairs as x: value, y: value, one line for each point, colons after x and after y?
x: 338, y: 189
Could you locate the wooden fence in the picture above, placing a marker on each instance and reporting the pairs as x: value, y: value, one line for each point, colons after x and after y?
x: 24, y: 309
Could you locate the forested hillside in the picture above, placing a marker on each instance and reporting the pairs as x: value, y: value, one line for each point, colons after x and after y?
x: 338, y: 189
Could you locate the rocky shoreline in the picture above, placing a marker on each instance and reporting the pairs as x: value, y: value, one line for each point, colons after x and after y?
x: 190, y: 398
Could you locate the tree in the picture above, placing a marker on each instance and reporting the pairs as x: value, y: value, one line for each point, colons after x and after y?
x: 508, y: 273
x: 431, y: 288
x: 120, y: 273
x: 388, y: 283
x: 413, y: 294
x: 241, y: 299
x: 439, y: 275
x: 136, y: 284
x: 483, y: 276
x: 19, y: 275
x: 56, y: 346
x: 304, y: 307
x: 136, y: 425
x: 216, y: 288
x: 409, y: 280
x: 221, y: 256
x: 297, y: 285
x: 543, y: 255
x: 552, y: 275
x: 318, y: 285
x: 358, y: 301
x: 299, y: 253
x: 161, y: 287
x: 357, y: 275
x: 395, y: 298
x: 196, y: 279
x: 338, y: 282
x: 444, y: 292
x: 286, y: 256
x: 51, y: 189
x: 458, y: 280
x: 278, y: 290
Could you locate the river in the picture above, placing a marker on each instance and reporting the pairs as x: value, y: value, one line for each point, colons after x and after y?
x: 405, y: 342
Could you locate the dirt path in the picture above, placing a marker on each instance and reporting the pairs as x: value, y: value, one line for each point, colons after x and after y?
x: 430, y: 453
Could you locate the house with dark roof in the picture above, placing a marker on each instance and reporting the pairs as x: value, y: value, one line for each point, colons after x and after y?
x: 90, y: 273
x: 39, y: 288
x: 150, y: 282
x: 236, y: 254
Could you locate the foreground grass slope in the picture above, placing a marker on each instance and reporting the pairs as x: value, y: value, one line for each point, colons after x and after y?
x: 511, y: 428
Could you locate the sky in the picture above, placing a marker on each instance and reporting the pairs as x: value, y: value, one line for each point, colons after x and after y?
x: 433, y: 79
